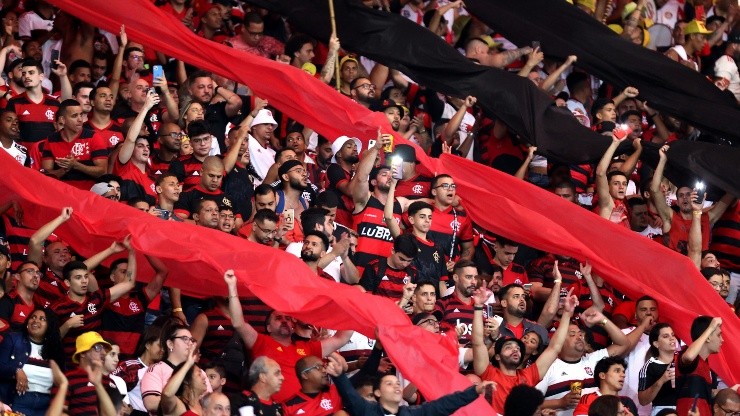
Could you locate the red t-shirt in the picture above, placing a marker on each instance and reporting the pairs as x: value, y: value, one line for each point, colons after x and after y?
x: 504, y: 383
x: 324, y: 403
x: 286, y: 356
x: 678, y: 237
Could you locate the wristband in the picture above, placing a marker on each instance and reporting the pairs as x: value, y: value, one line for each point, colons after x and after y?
x: 558, y: 281
x: 603, y: 322
x: 215, y: 90
x: 697, y: 213
x: 176, y: 310
x: 477, y: 308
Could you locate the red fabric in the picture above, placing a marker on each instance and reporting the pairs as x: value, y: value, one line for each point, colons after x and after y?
x: 522, y: 212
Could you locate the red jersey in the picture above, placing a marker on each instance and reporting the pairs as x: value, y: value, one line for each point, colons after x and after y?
x: 192, y: 166
x: 375, y: 239
x: 112, y: 133
x: 529, y: 376
x: 123, y: 321
x: 380, y: 279
x: 86, y: 147
x: 515, y: 274
x: 286, y: 356
x: 619, y: 215
x: 14, y: 311
x: 414, y: 188
x: 323, y: 403
x: 450, y: 227
x: 17, y: 237
x: 51, y: 289
x: 132, y: 172
x: 678, y: 237
x: 255, y: 311
x: 585, y: 403
x: 540, y: 270
x: 91, y: 309
x: 693, y: 379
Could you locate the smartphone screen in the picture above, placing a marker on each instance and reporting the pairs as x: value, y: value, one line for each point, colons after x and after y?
x: 54, y: 58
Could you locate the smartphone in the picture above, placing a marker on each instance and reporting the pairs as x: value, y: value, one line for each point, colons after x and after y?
x: 622, y: 131
x: 54, y: 58
x: 389, y: 147
x: 489, y: 310
x: 157, y: 72
x: 527, y: 286
x: 397, y: 167
x: 289, y: 218
x: 535, y: 44
x: 699, y: 187
x: 498, y: 319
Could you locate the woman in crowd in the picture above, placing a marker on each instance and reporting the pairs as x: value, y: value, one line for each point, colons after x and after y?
x: 25, y: 374
x: 658, y: 375
x: 183, y: 390
x: 149, y: 351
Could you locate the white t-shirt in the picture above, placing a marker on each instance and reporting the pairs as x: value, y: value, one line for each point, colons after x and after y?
x: 579, y: 111
x: 556, y: 382
x: 17, y: 152
x: 465, y: 129
x: 260, y: 158
x: 726, y: 67
x: 669, y: 13
x: 635, y: 361
x: 39, y: 375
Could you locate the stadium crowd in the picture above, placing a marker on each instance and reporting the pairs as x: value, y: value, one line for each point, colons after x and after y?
x: 537, y: 333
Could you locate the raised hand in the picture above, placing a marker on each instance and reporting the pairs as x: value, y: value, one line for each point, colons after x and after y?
x: 592, y: 316
x: 66, y: 213
x: 230, y: 277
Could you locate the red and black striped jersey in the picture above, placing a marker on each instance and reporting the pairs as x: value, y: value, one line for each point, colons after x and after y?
x: 583, y: 177
x: 123, y: 321
x: 51, y: 289
x: 112, y: 134
x: 130, y: 372
x: 414, y: 188
x: 455, y: 313
x: 324, y: 403
x: 86, y: 148
x: 91, y: 308
x: 255, y: 312
x: 14, y: 311
x: 383, y: 280
x: 375, y: 239
x: 82, y: 400
x: 515, y: 273
x: 7, y: 92
x: 192, y: 166
x: 540, y: 270
x: 158, y: 166
x: 35, y: 120
x: 17, y: 236
x: 446, y: 224
x: 726, y: 239
x: 218, y: 333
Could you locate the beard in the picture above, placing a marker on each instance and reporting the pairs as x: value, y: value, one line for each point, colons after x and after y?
x: 309, y: 257
x: 515, y: 311
x: 351, y: 159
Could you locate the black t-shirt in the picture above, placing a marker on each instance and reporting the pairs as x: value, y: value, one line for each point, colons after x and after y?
x: 651, y: 372
x: 430, y: 262
x: 247, y: 398
x: 215, y: 115
x: 238, y: 187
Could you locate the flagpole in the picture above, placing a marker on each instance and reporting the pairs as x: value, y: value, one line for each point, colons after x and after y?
x: 334, y: 33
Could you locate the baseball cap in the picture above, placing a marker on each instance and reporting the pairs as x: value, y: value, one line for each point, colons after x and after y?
x: 86, y: 341
x: 488, y: 40
x: 405, y: 152
x: 348, y: 58
x: 339, y: 142
x: 264, y: 116
x: 101, y: 188
x: 422, y: 316
x: 696, y: 26
x: 386, y: 104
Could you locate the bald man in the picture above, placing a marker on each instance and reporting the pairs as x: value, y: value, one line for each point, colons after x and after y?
x: 211, y: 177
x: 484, y: 50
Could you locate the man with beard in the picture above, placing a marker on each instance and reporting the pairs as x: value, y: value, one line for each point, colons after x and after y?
x: 339, y: 174
x: 218, y: 110
x: 99, y: 118
x: 9, y: 133
x: 514, y: 304
x: 452, y: 229
x: 315, y: 244
x: 166, y: 158
x: 264, y: 227
x: 392, y: 111
x: 609, y: 374
x: 293, y: 177
x: 211, y: 177
x: 362, y: 90
x: 676, y: 225
x: 261, y: 154
x: 575, y: 365
x: 74, y: 155
x: 15, y: 82
x: 457, y: 308
x: 317, y: 397
x: 509, y: 352
x: 278, y: 343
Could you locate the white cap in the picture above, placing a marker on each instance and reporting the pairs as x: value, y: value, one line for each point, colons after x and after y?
x: 101, y: 188
x: 264, y: 116
x: 339, y: 142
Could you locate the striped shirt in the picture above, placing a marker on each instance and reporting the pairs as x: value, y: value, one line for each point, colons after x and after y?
x: 91, y: 309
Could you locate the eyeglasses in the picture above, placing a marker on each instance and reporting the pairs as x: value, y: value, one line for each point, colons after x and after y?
x: 729, y: 413
x: 313, y: 367
x: 186, y: 339
x: 268, y: 232
x: 367, y: 86
x: 429, y: 321
x: 98, y: 347
x: 175, y: 135
x: 33, y: 272
x: 447, y: 186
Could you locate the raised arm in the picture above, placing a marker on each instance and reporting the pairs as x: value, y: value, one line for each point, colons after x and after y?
x: 95, y: 375
x: 598, y: 301
x: 128, y: 145
x: 94, y: 261
x: 388, y: 218
x: 454, y: 124
x: 170, y: 403
x: 327, y: 72
x: 64, y: 84
x: 522, y: 172
x: 154, y: 287
x: 621, y: 345
x: 695, y: 348
x: 115, y: 77
x: 36, y: 242
x: 550, y: 309
x: 695, y: 238
x: 665, y: 212
x: 606, y: 203
x: 629, y: 164
x: 719, y: 208
x: 360, y: 183
x: 56, y: 407
x: 534, y: 59
x: 233, y: 101
x: 629, y: 92
x: 553, y: 78
x: 352, y: 401
x: 128, y: 283
x: 481, y: 359
x: 550, y: 354
x: 331, y: 344
x: 173, y: 112
x: 245, y: 331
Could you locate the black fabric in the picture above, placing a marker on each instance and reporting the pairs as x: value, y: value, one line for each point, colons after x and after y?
x: 399, y: 43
